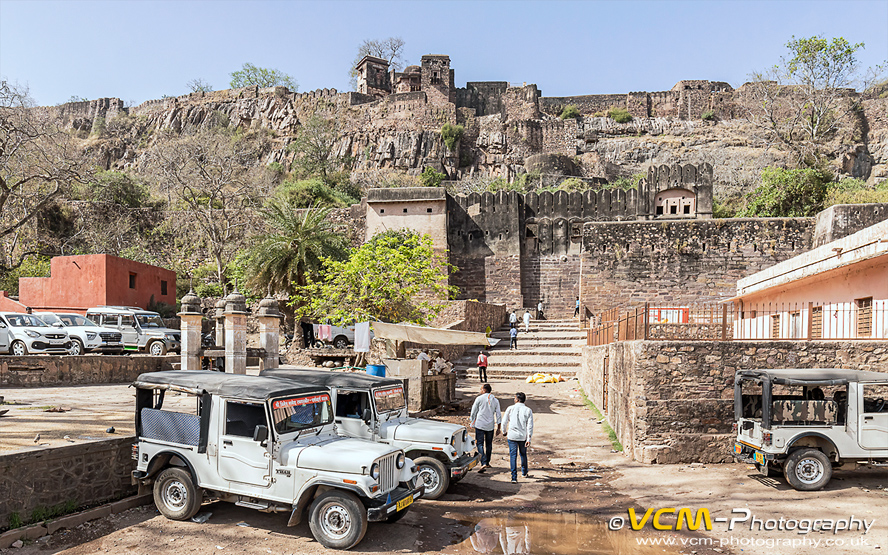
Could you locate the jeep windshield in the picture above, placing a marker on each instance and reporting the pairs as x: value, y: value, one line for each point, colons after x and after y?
x: 292, y: 414
x: 150, y: 321
x: 389, y: 399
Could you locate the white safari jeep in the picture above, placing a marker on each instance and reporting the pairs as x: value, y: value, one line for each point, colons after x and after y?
x: 266, y: 444
x: 374, y: 408
x: 805, y: 422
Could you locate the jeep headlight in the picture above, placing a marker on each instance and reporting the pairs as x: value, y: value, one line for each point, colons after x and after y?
x: 401, y: 461
x: 465, y: 436
x: 90, y: 335
x: 374, y: 471
x: 31, y: 333
x: 453, y: 441
x: 169, y: 337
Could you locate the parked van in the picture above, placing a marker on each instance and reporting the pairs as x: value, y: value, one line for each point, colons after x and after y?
x: 142, y: 330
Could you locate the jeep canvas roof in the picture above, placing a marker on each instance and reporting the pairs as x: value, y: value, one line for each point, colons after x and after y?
x: 813, y: 376
x: 239, y: 386
x: 330, y: 379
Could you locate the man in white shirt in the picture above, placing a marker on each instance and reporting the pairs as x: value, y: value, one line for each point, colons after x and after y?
x: 485, y: 415
x: 518, y: 426
x: 423, y: 355
x: 513, y: 319
x: 526, y: 321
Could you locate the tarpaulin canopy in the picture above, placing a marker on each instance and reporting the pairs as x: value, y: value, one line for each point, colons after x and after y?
x: 430, y: 336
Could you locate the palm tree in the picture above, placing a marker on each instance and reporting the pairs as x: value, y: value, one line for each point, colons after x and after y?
x: 282, y: 259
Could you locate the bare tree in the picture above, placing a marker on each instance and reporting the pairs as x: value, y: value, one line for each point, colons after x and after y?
x: 39, y: 163
x: 389, y: 49
x: 199, y: 85
x: 801, y: 102
x: 209, y: 177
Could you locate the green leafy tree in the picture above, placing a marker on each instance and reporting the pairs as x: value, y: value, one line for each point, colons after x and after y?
x: 431, y: 177
x: 789, y: 193
x: 313, y: 192
x: 293, y: 249
x: 390, y: 49
x: 803, y: 100
x: 619, y: 115
x: 31, y: 266
x: 395, y: 277
x: 250, y: 75
x: 451, y: 135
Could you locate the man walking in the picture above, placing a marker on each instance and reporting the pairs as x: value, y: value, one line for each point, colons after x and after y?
x: 518, y: 427
x: 513, y: 339
x: 485, y: 415
x: 513, y: 319
x: 482, y: 366
x: 526, y: 320
x: 577, y: 308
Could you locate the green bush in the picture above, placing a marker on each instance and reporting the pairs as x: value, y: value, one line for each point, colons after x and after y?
x: 708, y: 115
x: 431, y: 177
x: 451, y: 134
x: 307, y: 192
x: 626, y: 183
x: 570, y: 112
x: 855, y: 191
x: 788, y: 193
x: 572, y: 184
x: 619, y: 115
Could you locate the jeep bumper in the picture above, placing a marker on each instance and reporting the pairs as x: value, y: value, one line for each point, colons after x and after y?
x: 398, y: 500
x: 749, y: 454
x: 462, y: 465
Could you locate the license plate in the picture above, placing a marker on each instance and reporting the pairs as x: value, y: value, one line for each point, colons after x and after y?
x: 404, y: 503
x: 113, y: 343
x: 472, y: 464
x: 56, y: 341
x: 738, y: 449
x: 759, y: 457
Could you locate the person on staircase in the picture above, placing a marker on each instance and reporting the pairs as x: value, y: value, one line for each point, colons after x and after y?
x: 513, y: 338
x: 482, y: 366
x: 526, y: 321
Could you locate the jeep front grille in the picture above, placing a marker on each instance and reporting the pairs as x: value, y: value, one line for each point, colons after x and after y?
x: 110, y: 336
x: 388, y: 473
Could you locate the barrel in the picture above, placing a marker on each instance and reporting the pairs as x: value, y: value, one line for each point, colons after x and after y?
x: 376, y: 370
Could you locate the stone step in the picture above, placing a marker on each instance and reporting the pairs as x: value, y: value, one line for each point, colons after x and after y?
x: 541, y: 335
x: 505, y: 354
x: 512, y: 374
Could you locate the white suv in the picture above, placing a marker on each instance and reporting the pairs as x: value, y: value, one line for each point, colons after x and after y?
x: 21, y: 334
x: 142, y: 330
x: 85, y: 335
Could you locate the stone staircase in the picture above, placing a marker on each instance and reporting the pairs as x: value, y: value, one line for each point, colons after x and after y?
x: 551, y: 346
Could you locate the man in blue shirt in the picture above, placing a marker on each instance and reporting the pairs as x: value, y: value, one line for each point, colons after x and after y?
x: 513, y: 339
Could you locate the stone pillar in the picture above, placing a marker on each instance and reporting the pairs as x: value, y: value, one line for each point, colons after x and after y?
x: 269, y: 332
x: 235, y: 333
x: 219, y: 316
x: 191, y: 318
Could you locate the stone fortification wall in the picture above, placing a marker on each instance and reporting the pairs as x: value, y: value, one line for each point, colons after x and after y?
x: 83, y: 475
x: 682, y: 262
x: 842, y: 220
x: 44, y: 371
x: 587, y: 104
x: 485, y: 97
x: 672, y: 401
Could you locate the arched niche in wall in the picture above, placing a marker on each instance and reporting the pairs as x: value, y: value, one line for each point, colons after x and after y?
x: 675, y: 203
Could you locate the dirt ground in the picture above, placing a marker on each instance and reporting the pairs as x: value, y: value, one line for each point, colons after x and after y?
x: 577, y: 487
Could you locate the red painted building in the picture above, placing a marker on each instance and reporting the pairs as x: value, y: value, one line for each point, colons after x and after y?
x: 77, y: 283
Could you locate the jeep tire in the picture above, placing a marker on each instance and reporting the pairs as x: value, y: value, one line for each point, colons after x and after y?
x: 807, y: 469
x: 175, y: 494
x: 157, y: 348
x: 338, y: 519
x: 434, y: 475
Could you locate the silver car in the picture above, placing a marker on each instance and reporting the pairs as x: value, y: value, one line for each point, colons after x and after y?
x: 22, y: 334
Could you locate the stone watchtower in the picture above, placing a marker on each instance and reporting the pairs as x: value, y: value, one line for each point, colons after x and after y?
x: 437, y: 79
x: 676, y: 192
x: 373, y: 77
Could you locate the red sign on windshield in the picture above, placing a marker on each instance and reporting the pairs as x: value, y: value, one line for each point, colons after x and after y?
x: 383, y: 393
x: 285, y: 403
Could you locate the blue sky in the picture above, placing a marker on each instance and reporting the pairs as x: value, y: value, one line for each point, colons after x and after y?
x: 139, y: 50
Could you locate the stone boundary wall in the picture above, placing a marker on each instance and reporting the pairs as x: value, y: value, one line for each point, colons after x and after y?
x: 85, y: 474
x: 51, y: 370
x: 672, y: 401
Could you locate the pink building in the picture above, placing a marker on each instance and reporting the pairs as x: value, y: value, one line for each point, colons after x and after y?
x: 77, y: 283
x: 836, y: 291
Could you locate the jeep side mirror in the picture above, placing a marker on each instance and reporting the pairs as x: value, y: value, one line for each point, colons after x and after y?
x: 367, y: 416
x: 260, y: 433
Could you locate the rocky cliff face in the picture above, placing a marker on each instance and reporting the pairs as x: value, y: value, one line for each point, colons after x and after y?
x: 402, y: 132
